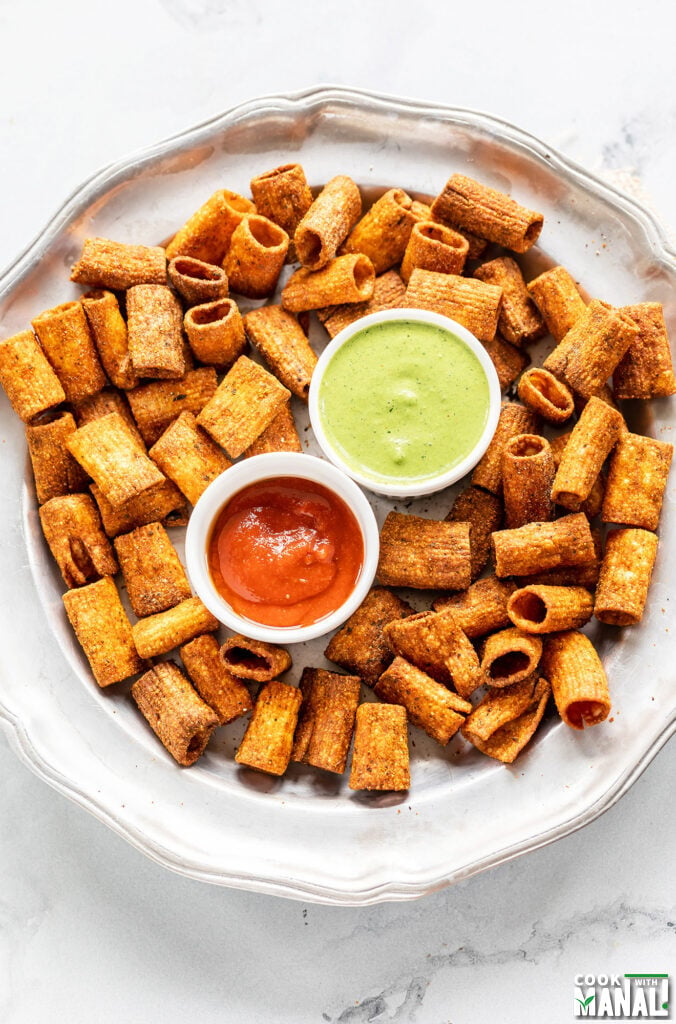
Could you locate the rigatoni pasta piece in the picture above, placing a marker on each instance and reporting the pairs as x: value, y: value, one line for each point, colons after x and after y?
x: 383, y: 232
x: 539, y: 546
x: 186, y: 454
x: 380, y: 759
x: 207, y: 233
x: 591, y: 506
x: 588, y: 354
x: 519, y: 321
x: 505, y: 720
x: 157, y: 404
x: 483, y: 511
x: 281, y: 341
x: 388, y: 293
x: 435, y: 643
x: 154, y: 319
x: 27, y: 377
x: 467, y: 204
x: 157, y: 634
x: 547, y: 396
x: 435, y: 247
x: 558, y: 298
x: 508, y: 360
x: 104, y: 631
x: 177, y: 715
x: 349, y: 278
x: 625, y: 576
x: 326, y: 719
x: 424, y: 553
x: 112, y: 457
x: 226, y: 695
x: 152, y: 571
x: 55, y: 470
x: 482, y: 608
x: 254, y: 659
x: 283, y: 195
x: 268, y: 740
x: 245, y: 403
x: 328, y: 222
x: 197, y: 282
x: 109, y: 331
x: 586, y: 575
x: 280, y: 436
x: 594, y: 436
x: 216, y: 332
x: 577, y: 678
x: 360, y: 646
x: 72, y: 528
x: 255, y: 256
x: 510, y: 656
x: 163, y: 503
x: 471, y: 303
x: 103, y: 404
x: 429, y: 705
x: 527, y: 476
x: 646, y: 369
x: 514, y: 419
x: 66, y: 340
x: 543, y: 609
x: 637, y: 478
x: 116, y: 265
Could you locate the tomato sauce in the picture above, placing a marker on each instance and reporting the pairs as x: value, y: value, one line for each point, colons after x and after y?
x: 285, y: 552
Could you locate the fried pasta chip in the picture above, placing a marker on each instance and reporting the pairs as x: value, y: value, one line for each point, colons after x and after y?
x: 429, y: 705
x: 29, y: 381
x: 586, y: 575
x: 328, y: 222
x: 283, y: 195
x: 514, y: 419
x: 646, y: 369
x: 159, y: 403
x: 577, y: 678
x: 546, y: 396
x: 55, y: 470
x: 110, y: 454
x: 326, y: 719
x: 424, y: 553
x: 637, y: 478
x: 558, y: 298
x: 548, y: 609
x: 519, y: 321
x: 255, y: 256
x: 154, y: 320
x: 104, y: 631
x: 66, y: 340
x: 483, y: 511
x: 161, y: 503
x: 506, y: 719
x: 345, y: 279
x: 186, y: 454
x: 216, y: 332
x: 380, y: 759
x: 434, y: 247
x: 360, y: 646
x: 157, y: 634
x: 471, y: 303
x: 588, y: 354
x: 383, y: 232
x: 109, y: 332
x: 510, y: 656
x: 254, y: 659
x: 206, y: 235
x: 268, y: 740
x: 508, y: 360
x: 435, y: 643
x: 103, y: 404
x: 594, y: 436
x: 197, y: 282
x: 280, y: 436
x: 483, y: 211
x: 625, y: 576
x: 281, y: 341
x: 591, y: 506
x: 482, y: 608
x: 115, y: 265
x: 72, y: 528
x: 152, y: 571
x: 528, y: 472
x: 177, y: 715
x: 536, y: 547
x: 388, y: 293
x: 226, y: 695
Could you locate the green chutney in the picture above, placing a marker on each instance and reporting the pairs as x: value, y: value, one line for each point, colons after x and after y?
x: 403, y: 400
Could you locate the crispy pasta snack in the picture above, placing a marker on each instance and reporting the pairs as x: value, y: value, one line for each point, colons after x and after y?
x: 382, y: 233
x: 514, y: 419
x: 326, y: 719
x: 64, y: 335
x: 466, y: 204
x: 152, y: 571
x: 360, y: 646
x: 505, y: 720
x: 482, y: 608
x: 197, y: 282
x: 109, y: 332
x: 388, y: 293
x: 226, y: 695
x: 546, y: 396
x: 206, y: 235
x: 110, y: 454
x: 103, y: 630
x: 283, y: 195
x: 268, y: 740
x: 539, y: 546
x: 280, y: 436
x: 508, y: 360
x: 527, y: 476
x: 520, y: 321
x: 380, y: 757
x: 471, y: 303
x: 186, y: 454
x: 160, y: 633
x: 55, y: 470
x: 558, y: 298
x: 255, y: 256
x: 72, y: 528
x: 594, y: 436
x: 646, y: 369
x: 637, y: 479
x: 510, y: 656
x: 349, y: 278
x: 179, y: 718
x: 577, y: 678
x: 159, y: 403
x: 29, y: 381
x: 216, y: 332
x: 154, y: 320
x: 483, y: 511
x: 254, y: 659
x: 103, y: 404
x: 435, y: 643
x: 424, y: 553
x: 542, y: 609
x: 115, y: 265
x: 163, y: 503
x: 625, y: 576
x: 281, y: 341
x: 328, y: 222
x: 588, y: 354
x: 429, y: 705
x: 434, y: 247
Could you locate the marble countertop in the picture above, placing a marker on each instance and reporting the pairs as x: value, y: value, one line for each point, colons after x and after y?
x: 90, y: 930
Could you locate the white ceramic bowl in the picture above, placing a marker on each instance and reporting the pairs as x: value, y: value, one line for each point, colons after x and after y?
x: 415, y: 488
x: 253, y: 470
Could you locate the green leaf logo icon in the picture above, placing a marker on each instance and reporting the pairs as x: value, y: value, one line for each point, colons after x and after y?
x: 585, y: 1002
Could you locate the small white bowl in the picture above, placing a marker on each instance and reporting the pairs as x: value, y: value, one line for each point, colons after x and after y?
x: 253, y: 470
x: 416, y: 488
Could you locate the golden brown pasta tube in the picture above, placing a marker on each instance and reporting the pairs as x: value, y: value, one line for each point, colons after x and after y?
x: 637, y: 478
x: 383, y: 232
x: 216, y: 332
x: 154, y: 319
x: 103, y: 630
x: 246, y: 402
x: 508, y: 360
x: 434, y: 247
x: 55, y: 470
x: 326, y: 719
x: 586, y: 575
x: 254, y: 659
x: 542, y: 609
x: 349, y: 278
x: 527, y: 475
x: 157, y: 634
x: 591, y: 506
x: 539, y: 546
x: 163, y: 503
x: 152, y: 571
x: 483, y: 511
x: 424, y: 553
x: 510, y: 656
x: 380, y: 757
x: 281, y: 341
x: 588, y: 354
x: 360, y: 646
x: 429, y: 705
x: 646, y: 369
x: 255, y: 256
x: 186, y: 454
x: 388, y: 293
x: 226, y: 695
x: 328, y: 222
x: 514, y: 419
x: 558, y: 298
x: 625, y: 576
x: 505, y: 720
x: 520, y: 321
x: 471, y: 303
x: 280, y: 436
x: 177, y: 715
x: 268, y: 740
x: 482, y: 608
x: 197, y: 282
x: 115, y: 265
x: 547, y: 396
x: 577, y: 678
x: 283, y: 195
x: 109, y: 331
x: 594, y: 436
x: 64, y: 335
x: 434, y: 643
x: 206, y: 235
x: 102, y: 404
x: 29, y: 381
x: 159, y: 403
x: 110, y: 454
x: 72, y: 528
x: 474, y: 207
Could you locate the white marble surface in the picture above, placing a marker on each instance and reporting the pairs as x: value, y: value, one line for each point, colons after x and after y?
x: 90, y: 930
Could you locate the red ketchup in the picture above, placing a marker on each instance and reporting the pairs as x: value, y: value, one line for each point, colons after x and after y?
x: 285, y: 552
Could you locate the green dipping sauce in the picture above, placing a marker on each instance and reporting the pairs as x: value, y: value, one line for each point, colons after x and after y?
x: 403, y: 400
